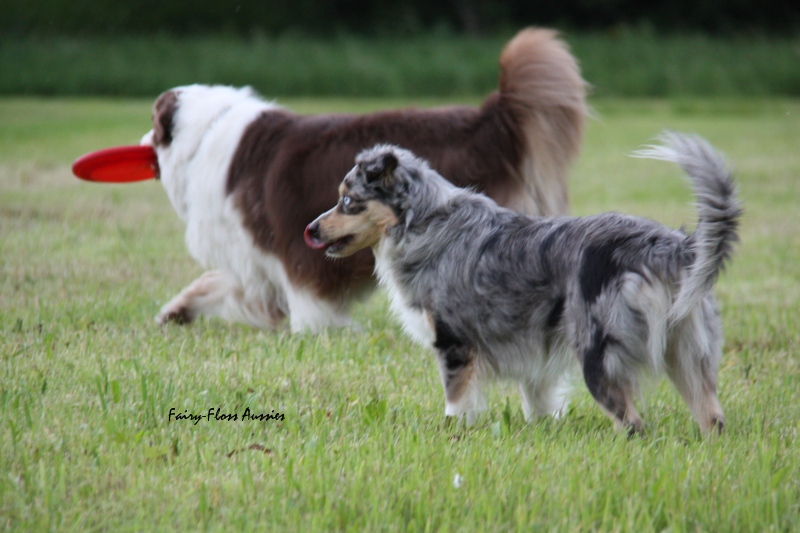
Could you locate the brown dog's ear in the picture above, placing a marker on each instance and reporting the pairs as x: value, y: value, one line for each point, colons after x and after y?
x: 381, y: 165
x: 163, y: 118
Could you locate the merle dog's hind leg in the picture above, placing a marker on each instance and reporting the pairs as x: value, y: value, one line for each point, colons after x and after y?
x: 692, y: 357
x: 614, y: 393
x: 543, y: 398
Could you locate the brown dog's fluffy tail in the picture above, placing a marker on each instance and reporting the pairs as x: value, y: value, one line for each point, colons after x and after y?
x: 541, y: 84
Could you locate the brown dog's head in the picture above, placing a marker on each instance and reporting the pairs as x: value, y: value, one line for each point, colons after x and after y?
x: 366, y: 209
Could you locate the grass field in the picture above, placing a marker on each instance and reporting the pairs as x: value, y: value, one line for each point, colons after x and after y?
x: 88, y: 380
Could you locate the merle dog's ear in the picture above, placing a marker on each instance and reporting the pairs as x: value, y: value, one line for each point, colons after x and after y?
x: 380, y: 166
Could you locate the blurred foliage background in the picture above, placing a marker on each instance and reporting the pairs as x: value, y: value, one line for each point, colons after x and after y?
x: 378, y: 17
x: 373, y: 48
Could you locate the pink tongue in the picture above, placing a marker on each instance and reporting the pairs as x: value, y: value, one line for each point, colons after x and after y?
x: 313, y: 243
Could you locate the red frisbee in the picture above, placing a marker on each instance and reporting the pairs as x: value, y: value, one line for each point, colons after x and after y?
x: 122, y: 164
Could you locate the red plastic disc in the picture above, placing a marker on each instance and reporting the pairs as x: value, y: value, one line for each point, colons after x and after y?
x: 122, y: 164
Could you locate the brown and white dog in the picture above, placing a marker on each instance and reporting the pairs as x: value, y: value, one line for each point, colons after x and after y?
x: 247, y: 176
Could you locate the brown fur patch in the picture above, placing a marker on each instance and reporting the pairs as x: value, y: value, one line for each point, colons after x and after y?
x: 459, y: 382
x: 431, y: 322
x: 163, y: 117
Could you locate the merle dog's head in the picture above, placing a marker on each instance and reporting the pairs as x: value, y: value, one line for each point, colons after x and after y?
x: 373, y: 199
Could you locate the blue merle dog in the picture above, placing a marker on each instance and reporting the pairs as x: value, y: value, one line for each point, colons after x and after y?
x: 498, y: 294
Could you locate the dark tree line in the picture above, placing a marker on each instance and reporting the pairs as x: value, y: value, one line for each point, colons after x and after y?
x: 381, y: 17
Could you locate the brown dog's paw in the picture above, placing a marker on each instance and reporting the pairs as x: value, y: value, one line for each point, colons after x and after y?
x: 179, y: 315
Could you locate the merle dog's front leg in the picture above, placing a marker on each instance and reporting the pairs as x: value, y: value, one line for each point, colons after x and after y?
x: 458, y: 368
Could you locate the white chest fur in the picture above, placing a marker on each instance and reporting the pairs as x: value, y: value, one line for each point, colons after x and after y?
x: 416, y: 322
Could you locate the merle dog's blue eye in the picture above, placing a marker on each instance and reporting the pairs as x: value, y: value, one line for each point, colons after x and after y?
x: 346, y: 200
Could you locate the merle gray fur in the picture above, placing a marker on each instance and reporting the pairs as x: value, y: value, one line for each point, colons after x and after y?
x: 502, y: 295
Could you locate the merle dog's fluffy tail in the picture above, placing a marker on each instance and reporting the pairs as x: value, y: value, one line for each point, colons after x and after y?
x: 718, y: 210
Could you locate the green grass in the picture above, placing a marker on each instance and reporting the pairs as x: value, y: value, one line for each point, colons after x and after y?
x: 626, y: 62
x: 87, y: 379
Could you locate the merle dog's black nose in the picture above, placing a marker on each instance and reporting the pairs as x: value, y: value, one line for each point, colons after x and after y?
x: 312, y: 236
